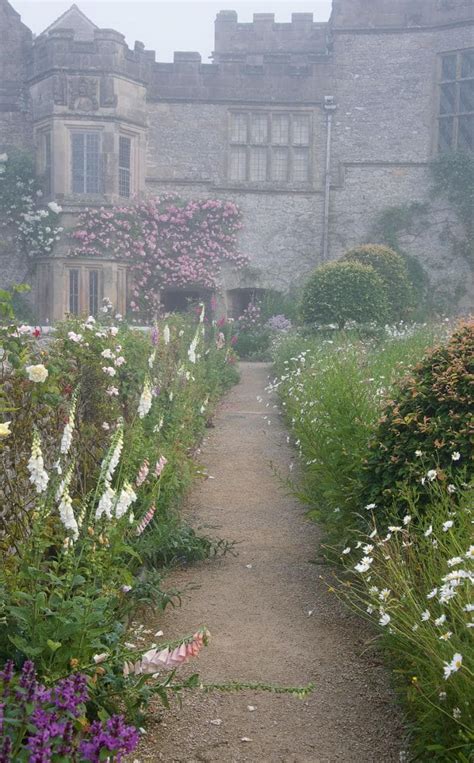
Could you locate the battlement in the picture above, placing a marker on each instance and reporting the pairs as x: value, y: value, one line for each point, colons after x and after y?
x: 402, y: 14
x: 302, y: 37
x: 106, y: 51
x: 269, y: 76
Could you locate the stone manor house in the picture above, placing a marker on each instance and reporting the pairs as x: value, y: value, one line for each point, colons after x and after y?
x: 313, y: 129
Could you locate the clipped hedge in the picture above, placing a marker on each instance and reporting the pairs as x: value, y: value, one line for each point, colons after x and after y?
x: 344, y: 291
x: 431, y: 414
x: 392, y: 269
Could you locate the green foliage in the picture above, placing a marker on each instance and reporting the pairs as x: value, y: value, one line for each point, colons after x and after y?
x: 331, y: 390
x: 344, y: 291
x: 411, y: 548
x: 453, y: 176
x: 393, y: 271
x: 426, y: 424
x: 102, y: 393
x: 427, y: 620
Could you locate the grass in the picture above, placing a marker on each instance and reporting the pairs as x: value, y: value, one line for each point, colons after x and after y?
x: 332, y: 388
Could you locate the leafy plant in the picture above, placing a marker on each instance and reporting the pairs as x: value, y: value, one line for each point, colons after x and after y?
x: 344, y: 291
x: 425, y: 431
x: 393, y: 271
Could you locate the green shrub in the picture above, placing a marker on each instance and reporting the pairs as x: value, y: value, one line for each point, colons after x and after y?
x: 425, y: 432
x: 344, y: 291
x: 392, y: 269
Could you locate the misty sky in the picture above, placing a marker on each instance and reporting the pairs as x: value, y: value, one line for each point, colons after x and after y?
x: 165, y: 26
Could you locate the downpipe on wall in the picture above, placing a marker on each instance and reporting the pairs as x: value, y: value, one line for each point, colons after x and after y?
x: 329, y: 108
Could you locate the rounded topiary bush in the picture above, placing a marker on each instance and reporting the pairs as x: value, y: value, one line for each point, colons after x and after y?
x: 392, y: 269
x: 425, y: 433
x: 344, y: 291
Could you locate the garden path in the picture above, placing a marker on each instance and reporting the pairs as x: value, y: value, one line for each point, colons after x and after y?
x: 271, y: 617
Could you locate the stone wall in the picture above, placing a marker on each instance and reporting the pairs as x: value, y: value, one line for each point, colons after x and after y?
x: 15, y: 45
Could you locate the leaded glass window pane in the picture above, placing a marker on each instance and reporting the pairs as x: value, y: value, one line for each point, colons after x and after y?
x: 259, y: 129
x: 125, y: 149
x: 280, y: 129
x: 300, y: 165
x: 238, y: 163
x: 448, y: 67
x: 74, y: 292
x: 85, y: 162
x: 258, y: 164
x: 467, y: 64
x: 280, y: 165
x: 238, y: 129
x: 466, y: 133
x: 466, y: 96
x: 301, y: 129
x: 446, y: 134
x: 93, y: 292
x: 448, y: 99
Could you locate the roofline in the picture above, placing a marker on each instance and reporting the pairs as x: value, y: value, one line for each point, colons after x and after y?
x: 73, y: 7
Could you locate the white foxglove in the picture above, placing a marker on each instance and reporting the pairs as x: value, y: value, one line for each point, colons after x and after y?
x: 106, y: 503
x: 126, y: 498
x: 146, y: 400
x: 38, y: 475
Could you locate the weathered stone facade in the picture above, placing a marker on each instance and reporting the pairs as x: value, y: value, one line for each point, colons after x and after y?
x: 312, y: 128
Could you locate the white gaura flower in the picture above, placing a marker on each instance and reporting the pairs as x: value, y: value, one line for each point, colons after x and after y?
x: 407, y: 520
x: 146, y: 400
x: 469, y: 608
x: 38, y: 475
x: 370, y: 506
x: 55, y: 207
x: 37, y: 374
x: 470, y: 553
x: 107, y: 353
x: 453, y: 666
x: 440, y: 620
x: 418, y: 453
x: 454, y: 561
x: 106, y: 503
x: 112, y: 391
x: 428, y: 532
x: 445, y: 636
x: 367, y: 549
x: 347, y: 550
x: 166, y: 334
x: 432, y: 474
x: 384, y: 619
x: 109, y: 370
x: 364, y: 565
x: 125, y: 500
x: 451, y: 489
x: 447, y: 525
x: 432, y: 593
x: 455, y: 456
x: 5, y: 429
x: 384, y: 594
x: 425, y: 615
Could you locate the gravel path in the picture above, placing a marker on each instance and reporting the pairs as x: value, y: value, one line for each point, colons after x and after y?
x: 257, y: 607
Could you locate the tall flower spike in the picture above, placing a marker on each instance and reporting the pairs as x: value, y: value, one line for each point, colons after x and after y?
x: 112, y: 458
x: 146, y: 400
x: 125, y: 500
x: 166, y: 334
x: 66, y: 440
x: 38, y: 475
x: 67, y: 514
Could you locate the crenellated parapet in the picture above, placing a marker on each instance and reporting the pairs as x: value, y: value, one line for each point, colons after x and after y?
x: 399, y: 14
x: 301, y: 40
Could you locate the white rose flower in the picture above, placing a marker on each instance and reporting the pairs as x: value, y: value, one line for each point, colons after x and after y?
x: 37, y: 373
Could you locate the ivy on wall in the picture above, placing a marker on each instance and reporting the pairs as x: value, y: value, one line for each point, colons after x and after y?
x: 453, y: 176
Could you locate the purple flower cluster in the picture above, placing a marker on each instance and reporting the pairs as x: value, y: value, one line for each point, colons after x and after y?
x: 251, y: 317
x: 50, y: 716
x: 278, y: 323
x: 116, y: 738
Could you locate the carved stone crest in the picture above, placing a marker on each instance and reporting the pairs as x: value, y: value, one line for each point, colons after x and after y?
x: 83, y: 94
